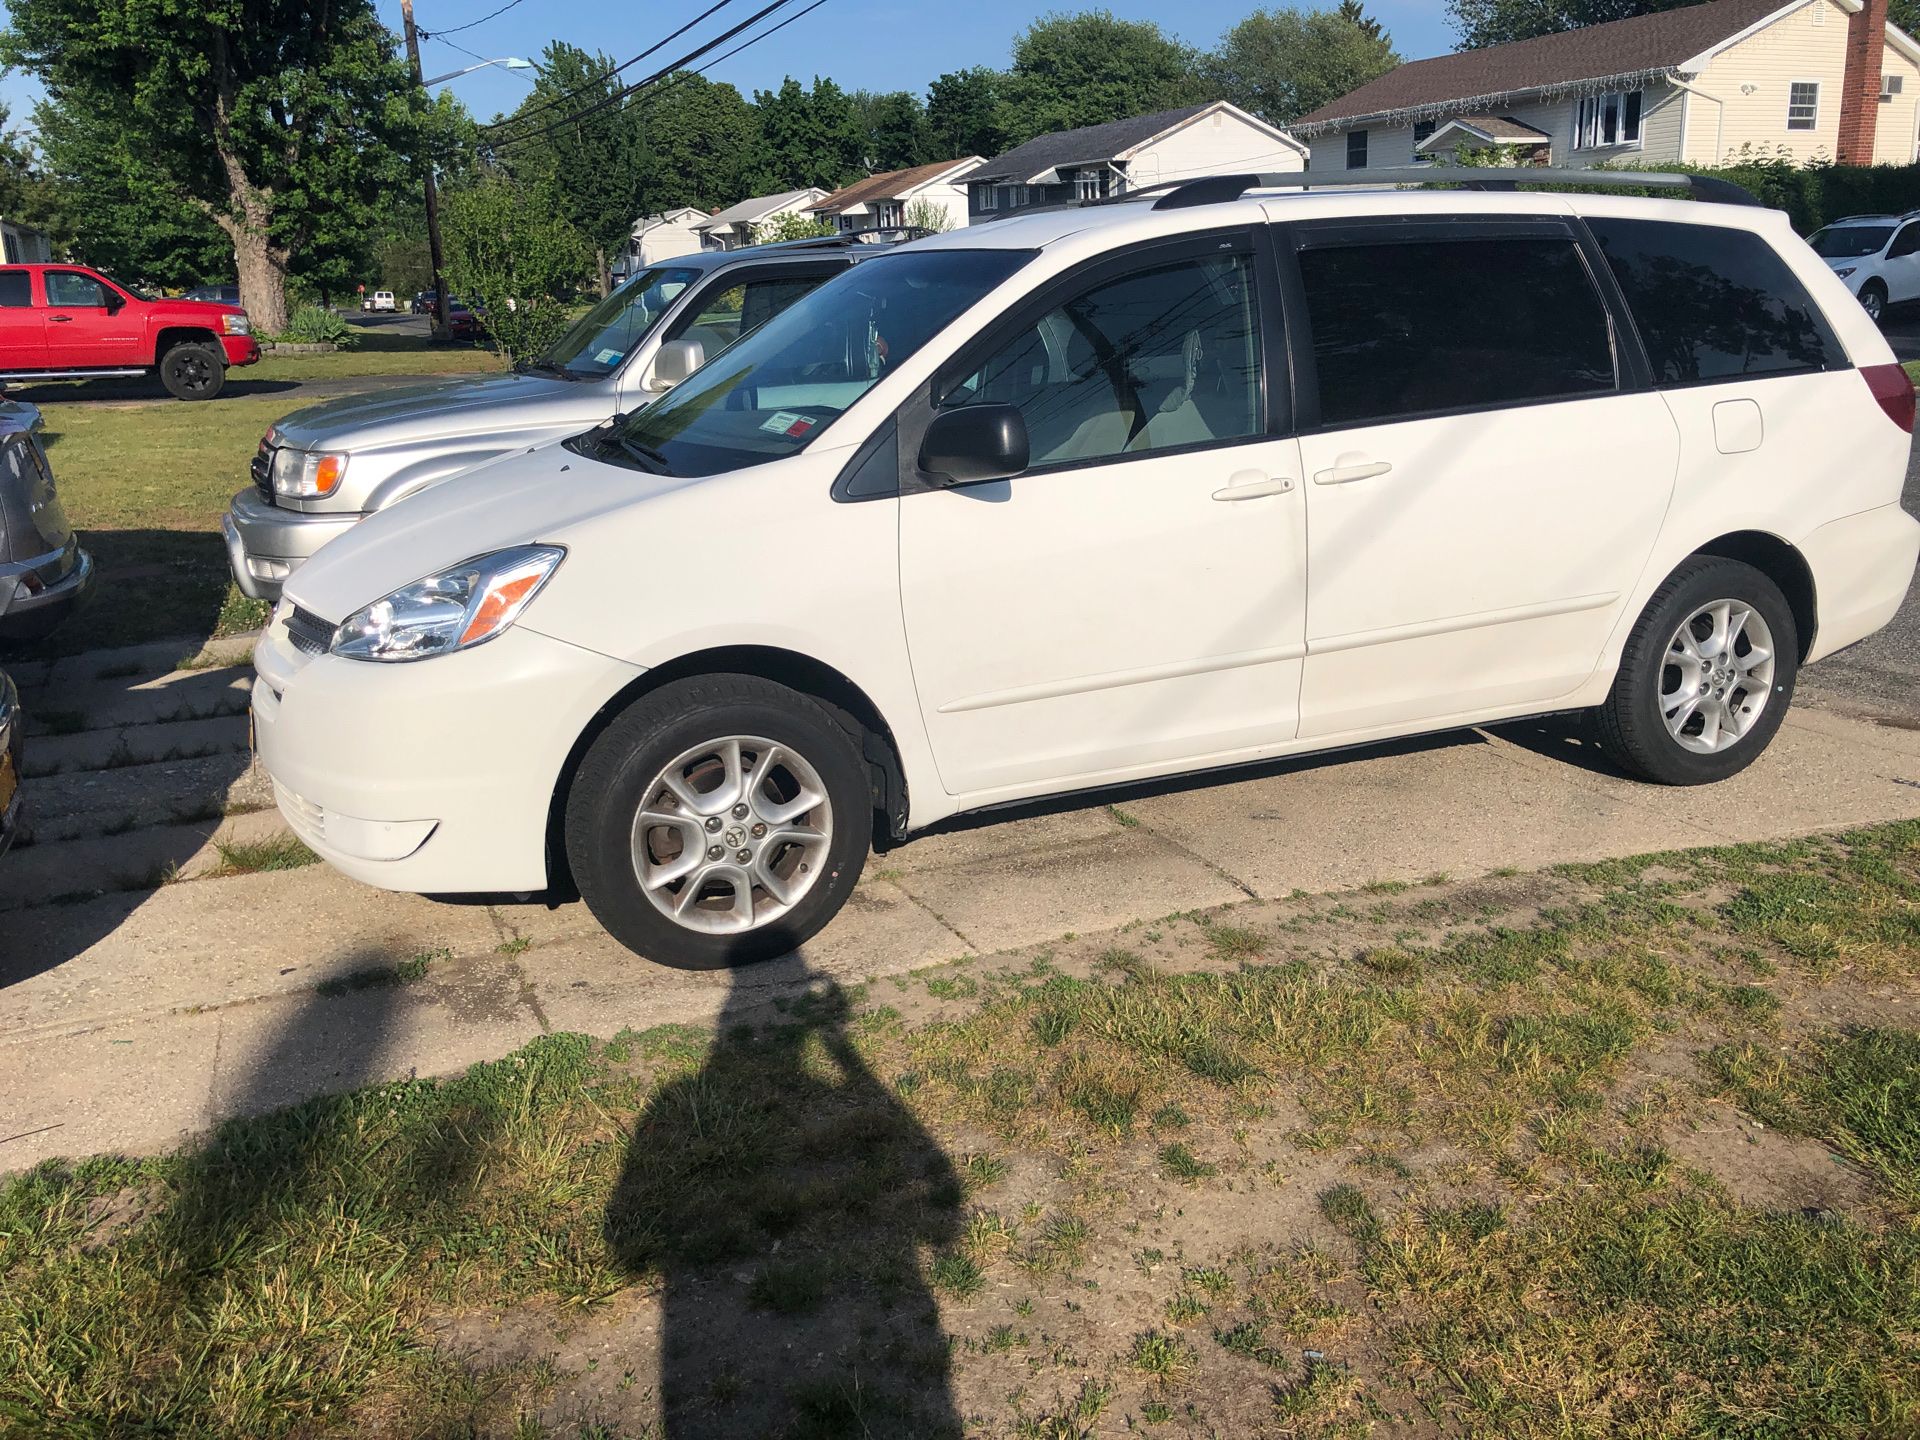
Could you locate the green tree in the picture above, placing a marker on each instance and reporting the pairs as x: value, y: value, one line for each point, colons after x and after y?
x: 28, y: 193
x: 1074, y: 70
x: 1355, y: 14
x: 269, y: 117
x: 928, y: 215
x: 509, y: 250
x: 589, y: 161
x: 790, y: 226
x: 1497, y: 22
x: 810, y: 137
x: 698, y: 144
x: 1280, y: 64
x: 893, y: 129
x: 963, y: 114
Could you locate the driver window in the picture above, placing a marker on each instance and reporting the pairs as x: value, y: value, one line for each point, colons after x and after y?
x: 1158, y: 359
x: 69, y: 287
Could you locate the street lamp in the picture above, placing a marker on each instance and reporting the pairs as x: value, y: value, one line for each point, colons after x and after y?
x: 505, y: 62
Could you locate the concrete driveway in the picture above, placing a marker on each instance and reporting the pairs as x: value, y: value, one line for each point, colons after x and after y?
x: 146, y: 992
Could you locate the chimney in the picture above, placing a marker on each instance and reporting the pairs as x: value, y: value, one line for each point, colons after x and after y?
x: 1860, y: 91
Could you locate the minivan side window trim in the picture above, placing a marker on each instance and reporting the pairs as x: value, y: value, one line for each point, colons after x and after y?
x: 1631, y: 370
x: 1271, y: 389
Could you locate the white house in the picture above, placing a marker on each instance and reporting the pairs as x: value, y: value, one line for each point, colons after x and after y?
x: 1810, y: 80
x: 1123, y: 155
x: 882, y: 200
x: 735, y: 226
x: 665, y: 236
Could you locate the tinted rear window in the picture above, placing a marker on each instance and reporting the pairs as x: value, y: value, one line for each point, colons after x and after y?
x: 16, y: 288
x: 1426, y: 326
x: 1714, y: 303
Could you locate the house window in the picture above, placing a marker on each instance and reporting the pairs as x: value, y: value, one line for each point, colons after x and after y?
x: 1356, y: 150
x: 1605, y: 120
x: 1890, y: 86
x: 986, y: 196
x: 1091, y: 185
x: 1803, y: 104
x: 887, y: 214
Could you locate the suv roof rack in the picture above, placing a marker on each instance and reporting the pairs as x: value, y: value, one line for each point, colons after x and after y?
x: 1215, y: 189
x: 902, y: 234
x: 1849, y: 219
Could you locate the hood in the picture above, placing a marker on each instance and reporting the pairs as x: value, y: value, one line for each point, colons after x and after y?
x: 192, y: 312
x: 530, y: 496
x: 461, y: 406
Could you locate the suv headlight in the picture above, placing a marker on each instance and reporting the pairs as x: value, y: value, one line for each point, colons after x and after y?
x: 1844, y: 271
x: 307, y: 474
x: 231, y: 324
x: 465, y: 605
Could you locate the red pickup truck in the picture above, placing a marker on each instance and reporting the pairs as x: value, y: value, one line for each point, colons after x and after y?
x: 66, y: 322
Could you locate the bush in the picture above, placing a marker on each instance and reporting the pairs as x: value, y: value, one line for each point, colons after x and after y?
x: 311, y: 325
x: 1819, y: 193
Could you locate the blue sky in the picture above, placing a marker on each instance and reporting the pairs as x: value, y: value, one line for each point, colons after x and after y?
x: 863, y: 44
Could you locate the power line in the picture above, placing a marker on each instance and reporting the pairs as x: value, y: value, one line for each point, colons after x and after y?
x: 601, y: 80
x: 657, y: 75
x: 455, y: 30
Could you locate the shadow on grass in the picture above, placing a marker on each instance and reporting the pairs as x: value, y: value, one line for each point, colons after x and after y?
x: 781, y: 1194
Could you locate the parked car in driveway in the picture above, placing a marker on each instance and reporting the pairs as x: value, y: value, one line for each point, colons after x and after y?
x: 12, y: 742
x: 43, y: 571
x: 1877, y: 257
x: 66, y: 322
x: 1216, y: 473
x: 320, y: 470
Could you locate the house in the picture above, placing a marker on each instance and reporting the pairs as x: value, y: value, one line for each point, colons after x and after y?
x: 733, y: 227
x: 1811, y: 80
x: 23, y: 244
x: 882, y: 200
x: 1123, y: 155
x: 664, y: 236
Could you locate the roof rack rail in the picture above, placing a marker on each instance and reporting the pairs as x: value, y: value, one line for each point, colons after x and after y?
x: 1212, y: 189
x: 846, y: 237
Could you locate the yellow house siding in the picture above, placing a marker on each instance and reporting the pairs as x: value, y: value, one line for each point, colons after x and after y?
x: 1893, y: 132
x: 1750, y: 81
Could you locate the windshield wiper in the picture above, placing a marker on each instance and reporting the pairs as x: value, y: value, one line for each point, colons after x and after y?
x: 650, y: 459
x: 547, y: 367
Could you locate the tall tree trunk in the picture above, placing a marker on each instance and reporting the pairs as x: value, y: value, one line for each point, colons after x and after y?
x: 262, y: 269
x: 605, y: 275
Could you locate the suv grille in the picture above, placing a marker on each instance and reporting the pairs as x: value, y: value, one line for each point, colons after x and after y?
x: 262, y: 471
x: 310, y: 634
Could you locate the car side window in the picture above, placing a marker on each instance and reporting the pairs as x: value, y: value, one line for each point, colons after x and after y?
x: 1713, y: 302
x: 724, y: 316
x: 1161, y: 358
x: 1428, y: 326
x: 16, y: 288
x: 1906, y: 242
x: 70, y: 287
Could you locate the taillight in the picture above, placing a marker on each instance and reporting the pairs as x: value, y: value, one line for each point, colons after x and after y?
x: 1893, y: 388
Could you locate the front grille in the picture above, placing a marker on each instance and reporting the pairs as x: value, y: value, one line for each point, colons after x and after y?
x: 308, y: 820
x: 310, y: 634
x: 262, y: 471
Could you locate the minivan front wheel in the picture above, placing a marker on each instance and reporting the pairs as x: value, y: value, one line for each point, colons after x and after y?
x: 1706, y: 675
x: 719, y: 821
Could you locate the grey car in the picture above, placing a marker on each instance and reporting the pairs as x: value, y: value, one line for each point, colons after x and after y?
x: 43, y: 570
x: 319, y: 471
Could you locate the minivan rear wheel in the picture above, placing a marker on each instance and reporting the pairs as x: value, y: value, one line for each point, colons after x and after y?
x: 719, y: 821
x: 1705, y: 678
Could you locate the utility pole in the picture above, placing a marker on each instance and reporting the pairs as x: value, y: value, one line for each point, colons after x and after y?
x: 439, y: 318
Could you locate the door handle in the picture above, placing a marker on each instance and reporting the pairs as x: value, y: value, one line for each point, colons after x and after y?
x: 1347, y: 474
x: 59, y: 319
x: 1252, y: 485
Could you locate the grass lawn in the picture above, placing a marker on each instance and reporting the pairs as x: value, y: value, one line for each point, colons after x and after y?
x: 1614, y: 1150
x: 145, y: 484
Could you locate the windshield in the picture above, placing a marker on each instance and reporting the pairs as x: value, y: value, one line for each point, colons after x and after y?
x: 772, y: 392
x: 134, y: 290
x: 1850, y: 242
x: 602, y: 338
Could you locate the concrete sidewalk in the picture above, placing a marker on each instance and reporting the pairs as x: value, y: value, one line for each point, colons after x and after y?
x: 133, y: 1018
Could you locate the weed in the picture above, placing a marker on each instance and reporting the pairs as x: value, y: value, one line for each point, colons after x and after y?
x: 1166, y: 1358
x: 255, y: 857
x: 1179, y: 1162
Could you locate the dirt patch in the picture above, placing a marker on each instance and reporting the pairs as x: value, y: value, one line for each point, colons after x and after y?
x: 1767, y: 1169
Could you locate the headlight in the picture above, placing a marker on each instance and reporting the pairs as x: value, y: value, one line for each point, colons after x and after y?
x: 236, y: 324
x: 1845, y: 270
x: 307, y: 475
x: 465, y: 605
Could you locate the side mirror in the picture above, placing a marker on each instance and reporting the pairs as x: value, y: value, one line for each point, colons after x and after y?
x: 972, y: 443
x: 114, y: 300
x: 676, y: 360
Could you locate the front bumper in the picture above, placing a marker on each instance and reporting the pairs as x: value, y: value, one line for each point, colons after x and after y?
x: 436, y: 776
x: 240, y: 349
x: 36, y: 594
x: 266, y: 544
x: 12, y: 743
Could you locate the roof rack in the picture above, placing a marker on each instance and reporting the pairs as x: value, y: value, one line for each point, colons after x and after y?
x: 903, y: 233
x: 1216, y: 189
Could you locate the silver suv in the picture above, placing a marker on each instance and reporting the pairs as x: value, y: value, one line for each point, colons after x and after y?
x: 321, y: 470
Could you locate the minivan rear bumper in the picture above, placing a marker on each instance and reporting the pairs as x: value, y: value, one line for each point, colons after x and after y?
x: 1862, y: 567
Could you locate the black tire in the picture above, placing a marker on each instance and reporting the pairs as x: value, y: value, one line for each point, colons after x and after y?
x: 1873, y: 299
x: 621, y: 766
x: 1631, y: 725
x: 193, y: 370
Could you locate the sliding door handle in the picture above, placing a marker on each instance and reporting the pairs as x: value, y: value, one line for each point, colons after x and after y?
x: 1252, y: 485
x: 1347, y: 474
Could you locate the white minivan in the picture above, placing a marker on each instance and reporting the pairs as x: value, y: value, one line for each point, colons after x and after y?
x: 1100, y: 493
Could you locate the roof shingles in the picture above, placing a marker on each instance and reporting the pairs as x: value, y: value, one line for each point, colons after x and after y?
x: 1469, y: 79
x: 1090, y: 144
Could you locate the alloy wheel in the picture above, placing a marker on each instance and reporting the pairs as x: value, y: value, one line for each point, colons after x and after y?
x: 732, y: 834
x: 1717, y: 676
